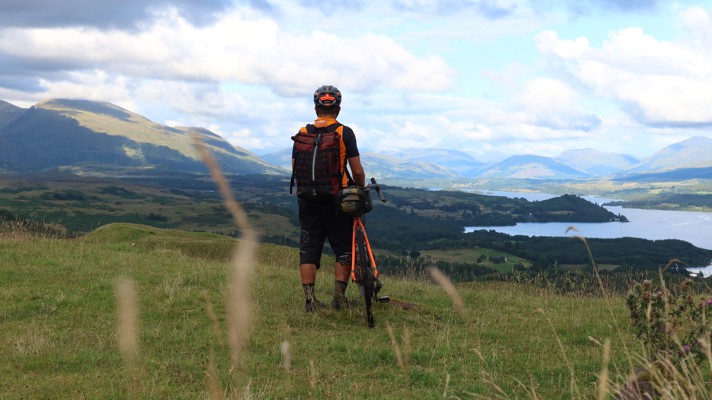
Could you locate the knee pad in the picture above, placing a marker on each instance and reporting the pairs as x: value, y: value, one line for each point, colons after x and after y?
x: 345, y: 260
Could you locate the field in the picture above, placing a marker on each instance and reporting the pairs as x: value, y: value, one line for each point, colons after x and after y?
x: 471, y: 256
x: 58, y: 309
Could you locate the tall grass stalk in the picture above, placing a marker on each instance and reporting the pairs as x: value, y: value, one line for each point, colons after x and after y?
x: 406, y: 350
x: 239, y: 300
x: 397, y: 350
x: 312, y: 374
x: 286, y: 350
x: 210, y: 310
x: 447, y: 385
x: 212, y: 380
x: 128, y: 332
x: 603, y: 377
x: 451, y: 291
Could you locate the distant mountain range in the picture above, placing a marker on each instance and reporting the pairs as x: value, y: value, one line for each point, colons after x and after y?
x: 597, y: 163
x: 688, y: 159
x: 88, y: 137
x: 384, y: 166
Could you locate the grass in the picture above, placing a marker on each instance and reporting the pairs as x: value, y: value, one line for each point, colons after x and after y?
x: 58, y: 309
x: 478, y: 340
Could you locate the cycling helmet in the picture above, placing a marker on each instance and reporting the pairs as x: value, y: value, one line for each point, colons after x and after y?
x: 327, y: 96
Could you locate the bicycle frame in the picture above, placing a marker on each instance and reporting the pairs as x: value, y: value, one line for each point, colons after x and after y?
x: 365, y: 275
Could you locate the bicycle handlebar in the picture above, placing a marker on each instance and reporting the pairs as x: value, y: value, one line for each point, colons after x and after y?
x: 374, y: 185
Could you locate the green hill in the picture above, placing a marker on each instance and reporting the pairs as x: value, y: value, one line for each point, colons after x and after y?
x: 88, y: 137
x: 58, y: 311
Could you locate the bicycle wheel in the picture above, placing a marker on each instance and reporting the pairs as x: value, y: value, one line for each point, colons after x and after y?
x: 364, y: 276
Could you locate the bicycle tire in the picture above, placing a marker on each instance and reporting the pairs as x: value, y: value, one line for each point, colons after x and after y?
x: 364, y: 276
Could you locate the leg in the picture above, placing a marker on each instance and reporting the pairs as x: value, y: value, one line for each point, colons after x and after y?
x: 311, y: 244
x: 339, y: 232
x: 307, y: 273
x: 342, y: 272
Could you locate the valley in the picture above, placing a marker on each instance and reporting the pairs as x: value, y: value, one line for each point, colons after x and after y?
x: 420, y: 224
x: 84, y: 164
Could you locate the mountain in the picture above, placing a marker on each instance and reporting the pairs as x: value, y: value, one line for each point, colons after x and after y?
x: 531, y: 167
x: 595, y: 162
x: 281, y: 158
x: 8, y: 113
x: 675, y: 175
x: 388, y: 168
x: 454, y: 160
x: 84, y: 137
x: 695, y: 152
x: 393, y: 169
x: 87, y: 136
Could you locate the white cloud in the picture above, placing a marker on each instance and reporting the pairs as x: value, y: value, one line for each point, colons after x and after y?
x: 239, y: 75
x: 546, y: 93
x: 94, y: 85
x: 422, y: 73
x: 552, y: 104
x: 509, y: 76
x: 658, y: 82
x: 699, y: 22
x: 549, y: 42
x: 246, y: 139
x: 125, y: 14
x: 238, y: 47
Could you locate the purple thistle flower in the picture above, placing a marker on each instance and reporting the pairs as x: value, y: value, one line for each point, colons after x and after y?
x: 709, y: 302
x: 686, y: 348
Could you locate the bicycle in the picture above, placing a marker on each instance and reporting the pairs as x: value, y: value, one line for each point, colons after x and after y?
x: 364, y: 271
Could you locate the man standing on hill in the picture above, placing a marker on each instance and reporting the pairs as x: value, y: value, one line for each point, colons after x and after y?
x: 319, y: 157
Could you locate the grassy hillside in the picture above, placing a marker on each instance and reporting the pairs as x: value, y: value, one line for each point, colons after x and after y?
x: 90, y: 137
x: 58, y: 310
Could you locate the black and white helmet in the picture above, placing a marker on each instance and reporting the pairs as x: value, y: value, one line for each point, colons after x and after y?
x: 327, y: 96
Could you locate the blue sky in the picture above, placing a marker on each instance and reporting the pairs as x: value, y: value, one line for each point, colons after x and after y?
x: 491, y: 78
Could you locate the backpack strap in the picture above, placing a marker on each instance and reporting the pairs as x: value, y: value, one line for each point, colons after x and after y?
x: 345, y: 168
x: 294, y: 138
x: 311, y: 129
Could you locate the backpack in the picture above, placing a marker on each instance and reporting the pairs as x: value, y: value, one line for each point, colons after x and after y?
x: 318, y: 165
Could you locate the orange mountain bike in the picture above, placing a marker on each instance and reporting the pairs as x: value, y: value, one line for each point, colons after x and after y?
x: 364, y: 271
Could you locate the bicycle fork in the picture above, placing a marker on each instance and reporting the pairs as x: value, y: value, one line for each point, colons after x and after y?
x: 358, y: 225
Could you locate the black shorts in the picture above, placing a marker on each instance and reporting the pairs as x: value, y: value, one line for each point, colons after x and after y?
x: 320, y: 222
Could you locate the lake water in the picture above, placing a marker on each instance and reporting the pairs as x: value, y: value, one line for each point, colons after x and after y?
x: 690, y: 226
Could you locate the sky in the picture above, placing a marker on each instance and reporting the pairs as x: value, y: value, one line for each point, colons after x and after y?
x: 491, y: 78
